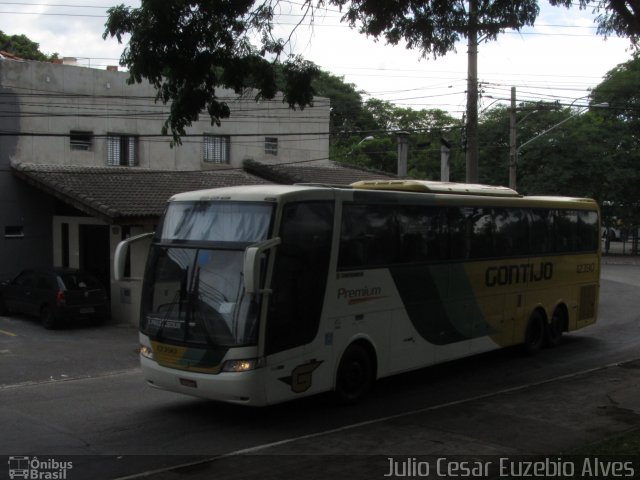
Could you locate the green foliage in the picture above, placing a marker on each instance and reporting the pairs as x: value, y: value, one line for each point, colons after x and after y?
x: 377, y: 148
x: 435, y: 26
x: 187, y: 49
x: 613, y: 16
x: 570, y: 159
x: 23, y: 47
x: 348, y: 114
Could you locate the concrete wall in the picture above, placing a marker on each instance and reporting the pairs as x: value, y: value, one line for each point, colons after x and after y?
x: 22, y: 209
x: 56, y: 99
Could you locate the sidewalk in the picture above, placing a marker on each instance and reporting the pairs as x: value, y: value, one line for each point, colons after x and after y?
x: 550, y: 418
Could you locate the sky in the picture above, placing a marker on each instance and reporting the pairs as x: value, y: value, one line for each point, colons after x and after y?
x: 559, y: 59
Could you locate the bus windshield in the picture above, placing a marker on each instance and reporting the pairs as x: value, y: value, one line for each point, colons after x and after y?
x: 216, y: 222
x: 194, y: 291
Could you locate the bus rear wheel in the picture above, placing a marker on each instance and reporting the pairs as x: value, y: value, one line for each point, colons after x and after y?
x: 355, y: 375
x: 534, y: 337
x: 553, y: 331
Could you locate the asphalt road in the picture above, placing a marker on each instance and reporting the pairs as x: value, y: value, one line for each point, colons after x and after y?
x: 78, y: 391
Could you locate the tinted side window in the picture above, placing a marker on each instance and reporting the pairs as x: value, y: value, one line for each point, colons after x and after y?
x: 24, y: 280
x: 421, y: 234
x: 510, y: 231
x: 300, y: 275
x: 542, y: 231
x: 368, y: 236
x: 482, y: 238
x: 459, y: 226
x: 588, y: 233
x: 79, y: 281
x: 45, y: 282
x: 566, y: 230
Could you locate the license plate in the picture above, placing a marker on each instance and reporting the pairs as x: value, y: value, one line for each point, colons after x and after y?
x: 188, y: 383
x: 87, y: 310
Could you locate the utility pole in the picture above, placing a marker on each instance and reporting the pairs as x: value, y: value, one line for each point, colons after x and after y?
x: 445, y: 150
x: 472, y: 95
x: 403, y: 151
x: 512, y: 141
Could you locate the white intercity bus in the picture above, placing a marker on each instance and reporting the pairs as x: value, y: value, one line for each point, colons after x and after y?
x: 261, y: 294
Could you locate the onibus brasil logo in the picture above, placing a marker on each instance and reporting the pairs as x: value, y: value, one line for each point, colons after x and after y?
x: 38, y: 469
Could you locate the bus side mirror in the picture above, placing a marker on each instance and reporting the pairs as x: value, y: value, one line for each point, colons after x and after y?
x: 120, y: 255
x: 252, y: 267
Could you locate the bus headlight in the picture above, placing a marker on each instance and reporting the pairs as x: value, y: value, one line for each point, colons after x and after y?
x: 241, y: 365
x: 146, y: 352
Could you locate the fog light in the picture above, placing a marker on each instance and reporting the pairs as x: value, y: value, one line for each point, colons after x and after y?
x: 146, y: 352
x: 240, y: 365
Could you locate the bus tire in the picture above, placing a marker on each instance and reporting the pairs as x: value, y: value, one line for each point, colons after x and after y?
x: 355, y: 375
x: 534, y: 336
x: 554, y: 329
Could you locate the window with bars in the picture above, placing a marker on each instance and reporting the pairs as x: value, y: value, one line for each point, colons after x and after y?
x: 271, y: 145
x: 80, y: 140
x: 216, y: 148
x: 122, y: 150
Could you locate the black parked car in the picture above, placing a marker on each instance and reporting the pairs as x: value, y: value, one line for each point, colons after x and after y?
x: 55, y: 295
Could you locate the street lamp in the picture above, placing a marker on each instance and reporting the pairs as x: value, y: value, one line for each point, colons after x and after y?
x: 513, y: 164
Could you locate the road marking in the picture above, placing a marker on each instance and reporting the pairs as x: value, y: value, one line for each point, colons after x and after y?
x: 65, y: 378
x: 10, y: 334
x: 257, y: 448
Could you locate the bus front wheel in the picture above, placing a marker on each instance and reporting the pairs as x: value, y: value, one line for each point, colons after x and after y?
x: 535, y: 335
x: 355, y: 375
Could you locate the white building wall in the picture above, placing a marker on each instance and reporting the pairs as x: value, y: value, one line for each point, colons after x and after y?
x: 56, y: 99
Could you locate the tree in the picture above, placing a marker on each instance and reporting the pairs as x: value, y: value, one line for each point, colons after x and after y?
x: 434, y: 27
x: 379, y: 148
x: 619, y: 17
x: 187, y: 49
x: 21, y: 46
x: 620, y: 89
x: 573, y: 159
x: 348, y: 114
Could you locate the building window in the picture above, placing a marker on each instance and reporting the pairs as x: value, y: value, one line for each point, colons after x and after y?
x: 122, y: 150
x: 80, y: 140
x: 271, y: 145
x: 215, y: 149
x: 13, y: 232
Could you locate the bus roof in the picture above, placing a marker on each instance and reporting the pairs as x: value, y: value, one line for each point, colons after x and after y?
x: 438, y: 192
x: 242, y: 192
x: 426, y: 186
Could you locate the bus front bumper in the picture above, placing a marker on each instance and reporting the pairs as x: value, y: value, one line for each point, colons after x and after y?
x: 245, y: 388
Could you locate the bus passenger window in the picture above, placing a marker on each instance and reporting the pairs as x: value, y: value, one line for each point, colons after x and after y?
x: 299, y: 275
x: 567, y: 230
x: 459, y: 232
x: 510, y: 232
x: 368, y: 237
x: 541, y: 230
x: 482, y: 238
x: 588, y: 235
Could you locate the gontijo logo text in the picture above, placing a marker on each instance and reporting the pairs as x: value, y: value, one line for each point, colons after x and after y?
x: 514, y: 274
x: 35, y: 468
